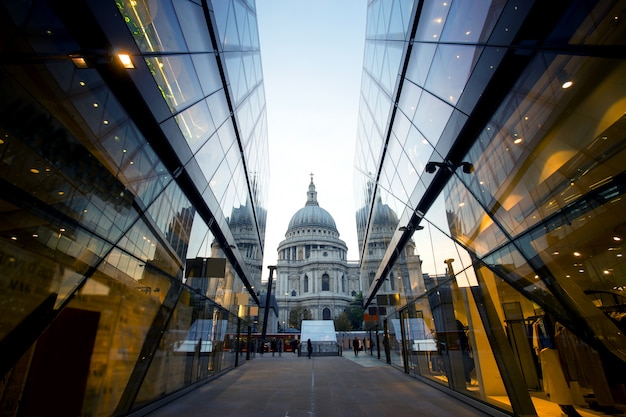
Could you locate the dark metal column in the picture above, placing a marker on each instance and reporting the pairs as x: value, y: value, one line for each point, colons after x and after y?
x: 267, y: 302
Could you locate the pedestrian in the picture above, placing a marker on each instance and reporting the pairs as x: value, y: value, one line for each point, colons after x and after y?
x: 355, y: 346
x: 273, y: 346
x: 309, y: 347
x: 280, y: 347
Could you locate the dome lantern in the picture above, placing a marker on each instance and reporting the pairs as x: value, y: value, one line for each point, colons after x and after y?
x: 312, y: 215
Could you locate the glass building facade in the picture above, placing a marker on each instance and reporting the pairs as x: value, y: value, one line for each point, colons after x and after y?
x: 495, y: 132
x: 134, y: 170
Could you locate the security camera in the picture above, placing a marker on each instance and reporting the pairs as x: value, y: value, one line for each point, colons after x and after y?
x: 431, y: 167
x: 468, y: 168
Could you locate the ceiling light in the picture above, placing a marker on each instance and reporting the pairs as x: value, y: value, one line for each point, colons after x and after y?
x: 518, y: 141
x: 617, y: 238
x: 79, y: 61
x: 567, y: 84
x: 126, y: 61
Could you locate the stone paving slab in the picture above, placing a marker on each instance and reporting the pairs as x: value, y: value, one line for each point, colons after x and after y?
x: 291, y: 386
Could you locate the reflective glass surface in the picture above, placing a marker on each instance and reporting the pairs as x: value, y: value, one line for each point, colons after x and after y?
x: 108, y: 177
x: 500, y: 163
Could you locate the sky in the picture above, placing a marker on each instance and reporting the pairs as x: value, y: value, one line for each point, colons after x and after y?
x: 312, y: 56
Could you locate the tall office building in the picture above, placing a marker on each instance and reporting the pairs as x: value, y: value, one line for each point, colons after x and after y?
x: 495, y: 131
x: 133, y: 160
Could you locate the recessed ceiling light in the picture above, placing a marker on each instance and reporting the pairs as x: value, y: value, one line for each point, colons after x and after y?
x: 79, y: 62
x: 567, y: 84
x: 126, y: 61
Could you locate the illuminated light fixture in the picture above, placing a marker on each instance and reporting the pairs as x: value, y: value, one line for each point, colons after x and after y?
x: 577, y: 254
x: 565, y: 78
x: 126, y: 61
x: 617, y: 238
x: 517, y: 141
x: 79, y: 61
x: 34, y: 170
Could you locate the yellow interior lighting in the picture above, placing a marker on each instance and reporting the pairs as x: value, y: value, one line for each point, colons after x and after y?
x: 79, y: 62
x: 126, y: 61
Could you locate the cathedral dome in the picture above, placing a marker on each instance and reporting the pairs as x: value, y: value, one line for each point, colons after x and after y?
x: 384, y: 215
x: 312, y: 215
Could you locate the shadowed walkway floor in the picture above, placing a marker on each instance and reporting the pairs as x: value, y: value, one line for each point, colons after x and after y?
x: 334, y: 386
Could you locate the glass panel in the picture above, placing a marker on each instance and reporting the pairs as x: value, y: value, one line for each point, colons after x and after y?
x: 154, y: 25
x: 450, y: 69
x: 200, y: 240
x: 431, y: 116
x: 208, y: 73
x: 118, y: 330
x: 420, y: 62
x: 471, y: 22
x: 177, y: 80
x: 432, y: 20
x: 195, y: 27
x: 219, y: 108
x: 173, y: 214
x: 194, y: 347
x: 196, y: 125
x: 210, y: 156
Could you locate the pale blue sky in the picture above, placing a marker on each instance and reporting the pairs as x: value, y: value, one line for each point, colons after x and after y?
x: 312, y: 54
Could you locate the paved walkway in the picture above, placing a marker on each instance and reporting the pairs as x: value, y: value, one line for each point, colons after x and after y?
x: 291, y: 386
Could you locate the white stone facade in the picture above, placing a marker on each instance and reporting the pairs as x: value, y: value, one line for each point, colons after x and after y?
x: 312, y: 270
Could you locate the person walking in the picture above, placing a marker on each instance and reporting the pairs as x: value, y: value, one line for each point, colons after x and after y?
x: 280, y: 347
x: 355, y: 346
x: 309, y: 347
